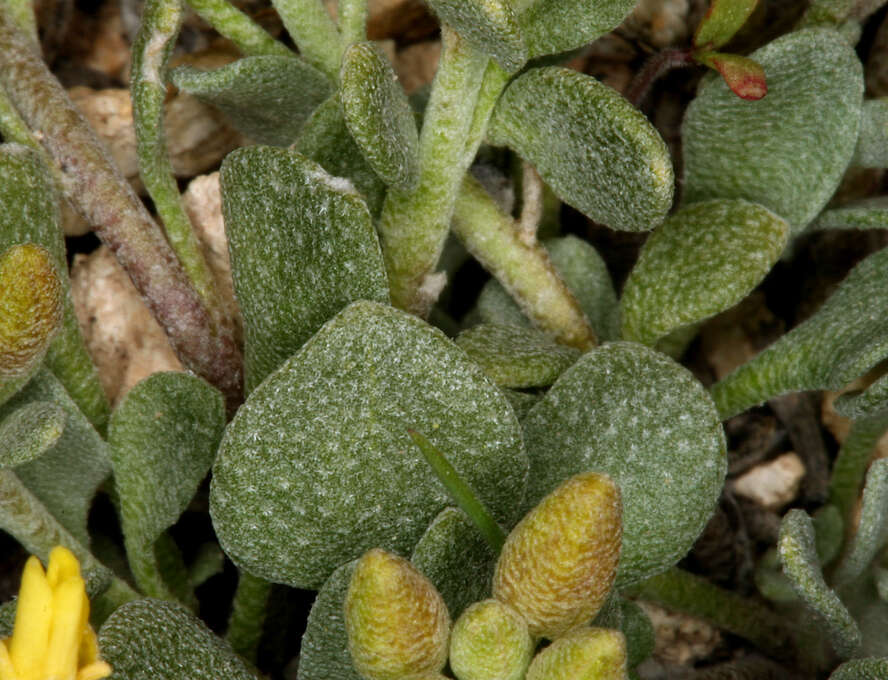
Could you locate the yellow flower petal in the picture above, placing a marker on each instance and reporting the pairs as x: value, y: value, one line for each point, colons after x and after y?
x: 95, y: 671
x: 7, y: 672
x: 62, y: 565
x: 67, y: 626
x: 27, y: 647
x: 89, y: 647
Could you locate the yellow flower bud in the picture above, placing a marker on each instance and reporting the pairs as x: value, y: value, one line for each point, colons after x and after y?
x: 582, y: 654
x: 559, y: 563
x: 490, y: 641
x: 397, y: 622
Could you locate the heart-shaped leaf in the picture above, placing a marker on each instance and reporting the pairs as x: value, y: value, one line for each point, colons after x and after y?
x: 156, y: 640
x: 636, y: 415
x: 268, y: 98
x: 800, y: 564
x: 699, y: 262
x: 722, y: 20
x: 845, y: 338
x: 490, y: 25
x: 339, y: 472
x: 754, y: 150
x: 590, y: 145
x: 302, y: 247
x: 872, y: 145
x: 552, y: 26
x: 27, y: 432
x: 378, y: 115
x: 513, y: 356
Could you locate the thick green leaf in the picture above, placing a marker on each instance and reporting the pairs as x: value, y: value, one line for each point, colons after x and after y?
x: 490, y: 25
x: 326, y: 140
x: 453, y: 555
x: 845, y: 338
x: 302, y: 247
x: 324, y: 651
x: 268, y: 98
x: 702, y: 260
x: 867, y: 214
x: 29, y: 431
x: 378, y: 115
x: 163, y: 438
x: 861, y: 669
x: 852, y: 461
x: 339, y: 473
x: 872, y: 145
x: 66, y: 476
x: 591, y: 146
x: 723, y: 19
x: 514, y: 356
x: 800, y: 564
x: 155, y: 640
x: 521, y: 402
x: 639, y: 632
x: 771, y: 151
x: 585, y: 273
x: 551, y: 26
x: 871, y: 402
x: 872, y: 530
x: 636, y: 415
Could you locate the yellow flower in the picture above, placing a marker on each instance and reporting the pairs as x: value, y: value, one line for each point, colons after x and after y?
x: 52, y: 638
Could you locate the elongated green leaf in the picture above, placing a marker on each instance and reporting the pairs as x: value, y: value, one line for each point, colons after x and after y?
x: 862, y: 669
x: 29, y: 431
x: 267, y: 98
x: 593, y: 148
x: 66, y: 476
x: 723, y: 19
x: 701, y: 261
x: 871, y: 402
x: 326, y: 140
x: 754, y: 150
x: 846, y: 337
x: 551, y: 26
x: 867, y: 214
x: 872, y: 145
x: 513, y: 356
x: 851, y: 463
x: 800, y: 564
x: 302, y: 247
x: 585, y: 273
x: 339, y: 472
x: 324, y: 647
x: 639, y: 632
x: 155, y: 640
x: 454, y: 556
x: 636, y: 415
x: 163, y: 438
x: 490, y: 25
x: 872, y: 530
x: 378, y: 115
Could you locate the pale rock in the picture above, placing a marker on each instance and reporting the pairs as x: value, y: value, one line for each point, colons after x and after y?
x: 680, y: 639
x: 773, y: 484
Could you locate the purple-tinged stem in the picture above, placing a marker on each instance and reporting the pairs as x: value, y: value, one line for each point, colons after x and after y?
x: 655, y: 68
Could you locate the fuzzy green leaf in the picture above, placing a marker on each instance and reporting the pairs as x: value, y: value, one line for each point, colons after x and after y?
x: 378, y: 115
x: 27, y: 432
x: 872, y: 401
x: 155, y: 640
x: 852, y: 461
x: 699, y: 262
x: 324, y: 647
x: 867, y: 214
x: 326, y: 140
x: 872, y: 145
x: 339, y: 472
x: 513, y: 356
x: 66, y: 490
x: 302, y: 247
x: 268, y: 98
x: 591, y: 146
x: 845, y: 338
x: 771, y: 151
x: 639, y: 632
x: 585, y: 273
x: 551, y: 26
x: 636, y: 415
x: 861, y: 669
x: 723, y: 19
x: 872, y: 530
x: 800, y: 564
x: 454, y: 556
x: 489, y: 25
x: 521, y: 402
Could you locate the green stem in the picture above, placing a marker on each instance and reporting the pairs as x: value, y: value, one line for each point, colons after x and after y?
x: 352, y: 22
x: 521, y: 266
x: 689, y: 594
x: 314, y: 33
x: 120, y: 219
x: 250, y: 38
x: 161, y: 22
x: 492, y: 85
x: 248, y: 615
x: 414, y: 224
x: 22, y: 12
x: 460, y: 492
